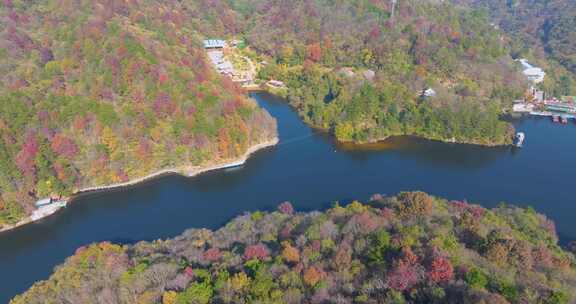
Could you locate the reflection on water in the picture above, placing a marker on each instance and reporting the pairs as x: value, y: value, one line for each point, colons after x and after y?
x: 311, y: 171
x: 430, y: 152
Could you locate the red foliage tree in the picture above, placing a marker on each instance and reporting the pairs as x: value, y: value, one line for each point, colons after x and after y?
x: 374, y: 33
x: 542, y: 256
x: 64, y: 146
x: 258, y: 251
x: 144, y: 149
x: 403, y: 277
x: 79, y: 123
x: 387, y: 213
x: 366, y: 221
x: 122, y: 176
x: 26, y: 157
x: 408, y: 257
x: 477, y: 212
x: 8, y: 3
x: 286, y: 232
x: 163, y: 104
x: 189, y: 271
x: 441, y: 270
x: 212, y: 255
x: 314, y: 52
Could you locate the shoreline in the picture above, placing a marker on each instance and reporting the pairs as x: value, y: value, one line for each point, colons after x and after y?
x: 187, y: 171
x: 444, y: 141
x: 264, y: 88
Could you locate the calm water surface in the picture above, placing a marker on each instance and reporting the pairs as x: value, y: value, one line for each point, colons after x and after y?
x: 307, y: 169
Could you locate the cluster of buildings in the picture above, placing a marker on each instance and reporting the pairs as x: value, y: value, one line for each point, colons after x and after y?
x: 537, y: 103
x: 215, y: 48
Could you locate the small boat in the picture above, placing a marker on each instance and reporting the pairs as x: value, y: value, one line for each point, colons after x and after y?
x: 556, y: 118
x: 564, y: 120
x: 519, y: 139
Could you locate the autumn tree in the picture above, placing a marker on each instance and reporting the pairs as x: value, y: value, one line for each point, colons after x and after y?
x: 414, y: 204
x: 314, y: 52
x: 313, y: 275
x: 290, y: 253
x: 441, y: 270
x: 257, y: 251
x: 64, y: 146
x: 286, y: 208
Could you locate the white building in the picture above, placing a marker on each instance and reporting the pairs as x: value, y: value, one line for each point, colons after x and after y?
x: 429, y: 92
x: 44, y: 202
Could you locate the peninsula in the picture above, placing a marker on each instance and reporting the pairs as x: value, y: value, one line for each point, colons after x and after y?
x: 409, y: 248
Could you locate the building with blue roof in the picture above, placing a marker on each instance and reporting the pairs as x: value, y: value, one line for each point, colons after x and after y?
x: 214, y: 44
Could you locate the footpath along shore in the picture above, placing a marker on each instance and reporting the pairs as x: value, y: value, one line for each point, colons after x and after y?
x: 188, y: 171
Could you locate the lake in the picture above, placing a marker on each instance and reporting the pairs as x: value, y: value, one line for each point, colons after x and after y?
x: 309, y: 170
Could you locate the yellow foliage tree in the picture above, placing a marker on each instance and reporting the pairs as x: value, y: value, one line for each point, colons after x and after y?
x: 344, y: 131
x: 357, y: 207
x: 109, y: 139
x: 148, y: 297
x: 224, y: 143
x: 290, y: 253
x: 156, y: 133
x: 240, y: 281
x: 169, y: 297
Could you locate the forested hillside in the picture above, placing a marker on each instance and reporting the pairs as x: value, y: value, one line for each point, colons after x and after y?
x: 356, y: 70
x: 100, y: 92
x: 545, y: 29
x: 411, y: 248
